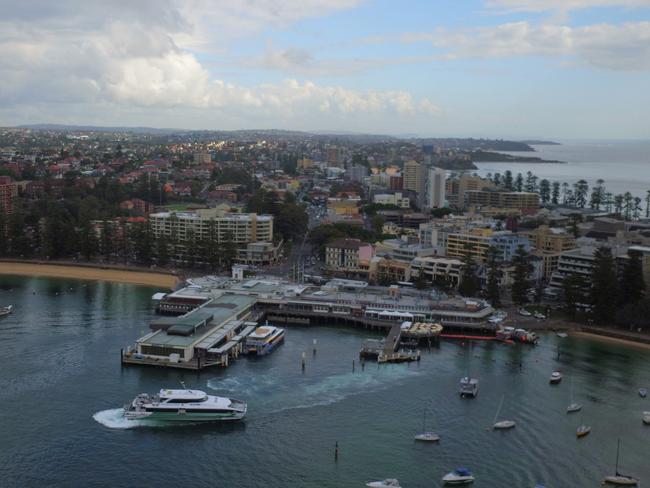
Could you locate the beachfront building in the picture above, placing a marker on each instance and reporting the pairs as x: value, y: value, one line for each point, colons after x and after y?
x: 438, y: 269
x: 457, y: 187
x: 349, y: 257
x: 186, y: 228
x: 8, y: 191
x: 526, y: 202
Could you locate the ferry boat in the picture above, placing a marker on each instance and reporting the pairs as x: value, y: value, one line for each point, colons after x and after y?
x: 184, y: 405
x: 264, y: 340
x: 6, y: 310
x: 468, y: 387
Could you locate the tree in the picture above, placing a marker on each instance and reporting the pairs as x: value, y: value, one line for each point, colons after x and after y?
x: 618, y: 204
x: 573, y: 288
x: 519, y: 182
x: 4, y: 237
x: 108, y: 239
x: 647, y: 204
x: 211, y: 246
x: 507, y: 180
x: 565, y: 193
x: 631, y: 282
x: 636, y: 209
x: 597, y: 195
x: 377, y: 223
x: 88, y: 244
x: 603, y: 296
x: 580, y: 190
x: 493, y: 277
x: 555, y: 193
x: 469, y: 284
x: 521, y: 278
x: 545, y: 190
x: 162, y: 250
x: 229, y: 250
x: 531, y: 182
x: 628, y: 205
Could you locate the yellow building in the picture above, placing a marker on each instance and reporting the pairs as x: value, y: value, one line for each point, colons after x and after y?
x: 549, y: 243
x: 305, y: 163
x: 478, y: 240
x: 414, y: 176
x: 341, y: 206
x: 527, y: 202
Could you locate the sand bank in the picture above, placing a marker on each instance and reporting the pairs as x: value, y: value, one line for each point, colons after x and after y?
x: 136, y: 277
x: 610, y: 340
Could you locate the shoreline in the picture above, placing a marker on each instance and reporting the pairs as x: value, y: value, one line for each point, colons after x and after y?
x: 90, y: 273
x: 609, y: 339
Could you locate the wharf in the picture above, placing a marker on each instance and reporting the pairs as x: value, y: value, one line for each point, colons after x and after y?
x: 399, y: 357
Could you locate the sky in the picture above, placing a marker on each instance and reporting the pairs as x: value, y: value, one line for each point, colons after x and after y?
x: 567, y: 69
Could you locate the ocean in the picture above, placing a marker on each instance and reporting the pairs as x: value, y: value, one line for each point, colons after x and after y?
x: 625, y: 166
x: 62, y: 388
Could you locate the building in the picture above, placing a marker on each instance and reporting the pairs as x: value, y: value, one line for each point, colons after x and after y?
x: 188, y: 227
x: 356, y: 172
x: 477, y: 242
x: 343, y: 206
x: 436, y: 185
x: 259, y: 253
x: 395, y: 182
x: 385, y: 270
x: 438, y: 269
x: 414, y: 178
x: 527, y: 202
x: 202, y: 157
x: 549, y: 243
x: 8, y: 191
x: 457, y: 187
x: 396, y: 199
x: 348, y: 256
x: 333, y: 158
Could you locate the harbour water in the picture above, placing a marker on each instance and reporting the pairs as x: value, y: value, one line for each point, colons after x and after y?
x: 624, y: 165
x: 61, y: 388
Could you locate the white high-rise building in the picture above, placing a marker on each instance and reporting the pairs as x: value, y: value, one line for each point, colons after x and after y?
x: 436, y: 183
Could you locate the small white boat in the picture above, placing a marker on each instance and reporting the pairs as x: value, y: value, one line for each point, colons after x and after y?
x: 427, y: 437
x: 6, y: 310
x: 618, y: 478
x: 468, y: 387
x: 646, y: 418
x: 582, y: 431
x: 388, y: 483
x: 643, y: 392
x: 563, y: 335
x: 504, y: 424
x: 556, y: 377
x: 460, y: 476
x: 574, y: 407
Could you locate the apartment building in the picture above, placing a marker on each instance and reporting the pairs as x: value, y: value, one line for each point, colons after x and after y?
x: 348, y: 256
x: 457, y: 187
x: 435, y: 269
x: 8, y: 191
x: 396, y: 199
x: 435, y: 188
x: 478, y: 241
x: 186, y: 227
x: 527, y: 202
x: 548, y: 244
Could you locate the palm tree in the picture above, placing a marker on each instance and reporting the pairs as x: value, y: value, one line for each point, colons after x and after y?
x: 647, y: 205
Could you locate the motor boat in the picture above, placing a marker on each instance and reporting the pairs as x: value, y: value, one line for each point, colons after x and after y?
x: 504, y: 424
x: 583, y: 430
x: 184, y: 405
x: 388, y: 483
x: 468, y: 387
x: 263, y: 340
x: 556, y: 377
x: 574, y: 407
x: 562, y: 335
x: 6, y: 310
x: 643, y: 392
x: 460, y: 476
x: 646, y: 418
x: 427, y: 437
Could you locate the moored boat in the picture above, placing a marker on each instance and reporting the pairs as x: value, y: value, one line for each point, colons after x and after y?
x: 468, y: 387
x: 263, y: 340
x: 388, y: 483
x: 426, y: 436
x: 618, y: 478
x: 459, y: 476
x: 555, y: 378
x: 574, y: 407
x: 6, y: 310
x: 643, y: 392
x: 583, y: 430
x: 184, y: 405
x: 646, y: 418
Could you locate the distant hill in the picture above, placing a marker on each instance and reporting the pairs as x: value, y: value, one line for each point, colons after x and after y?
x: 535, y: 142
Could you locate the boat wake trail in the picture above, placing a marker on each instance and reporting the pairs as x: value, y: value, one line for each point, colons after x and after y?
x: 114, y: 419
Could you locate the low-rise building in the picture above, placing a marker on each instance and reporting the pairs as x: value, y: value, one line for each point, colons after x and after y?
x: 438, y: 269
x: 548, y: 244
x: 396, y: 199
x: 527, y: 202
x: 348, y: 257
x: 477, y: 242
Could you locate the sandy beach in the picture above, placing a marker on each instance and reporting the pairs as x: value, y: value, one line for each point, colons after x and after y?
x: 161, y: 280
x: 610, y: 340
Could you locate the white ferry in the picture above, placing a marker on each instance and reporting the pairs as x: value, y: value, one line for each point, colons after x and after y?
x: 184, y: 405
x: 264, y: 340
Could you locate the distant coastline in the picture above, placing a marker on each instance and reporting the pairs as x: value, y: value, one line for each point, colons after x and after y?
x: 160, y: 279
x: 481, y: 156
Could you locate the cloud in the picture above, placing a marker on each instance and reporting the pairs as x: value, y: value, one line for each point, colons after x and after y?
x: 606, y: 46
x: 73, y: 53
x: 560, y: 5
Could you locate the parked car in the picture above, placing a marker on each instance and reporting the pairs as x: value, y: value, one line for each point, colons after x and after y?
x: 524, y: 312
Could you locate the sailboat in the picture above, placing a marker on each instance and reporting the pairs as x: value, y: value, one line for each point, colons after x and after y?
x: 582, y: 429
x: 502, y: 424
x: 620, y: 479
x: 426, y: 436
x: 573, y: 406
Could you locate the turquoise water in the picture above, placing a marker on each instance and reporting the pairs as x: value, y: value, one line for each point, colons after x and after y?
x: 61, y: 387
